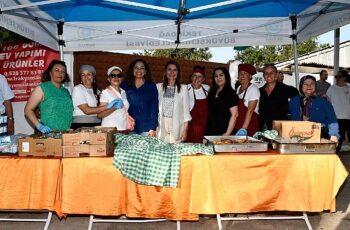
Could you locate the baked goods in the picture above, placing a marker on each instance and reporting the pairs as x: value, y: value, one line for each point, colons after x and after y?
x: 227, y: 141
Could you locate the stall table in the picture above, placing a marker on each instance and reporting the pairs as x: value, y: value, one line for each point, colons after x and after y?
x: 223, y: 183
x: 29, y: 184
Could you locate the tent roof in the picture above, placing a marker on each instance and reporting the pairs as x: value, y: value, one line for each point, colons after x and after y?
x: 152, y: 24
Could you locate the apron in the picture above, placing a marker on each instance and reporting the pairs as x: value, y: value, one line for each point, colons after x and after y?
x: 242, y: 111
x: 198, y: 125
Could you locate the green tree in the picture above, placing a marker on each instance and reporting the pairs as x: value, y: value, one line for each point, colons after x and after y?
x: 8, y: 36
x: 260, y: 55
x: 194, y: 54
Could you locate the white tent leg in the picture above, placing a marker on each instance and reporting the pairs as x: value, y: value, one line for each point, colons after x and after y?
x: 308, y: 224
x: 296, y: 64
x: 47, y: 220
x: 91, y: 221
x: 178, y: 225
x: 101, y: 220
x: 218, y: 218
x: 336, y: 52
x: 252, y: 217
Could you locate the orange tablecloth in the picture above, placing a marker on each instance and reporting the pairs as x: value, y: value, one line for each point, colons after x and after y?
x: 251, y: 183
x: 207, y: 185
x: 29, y: 183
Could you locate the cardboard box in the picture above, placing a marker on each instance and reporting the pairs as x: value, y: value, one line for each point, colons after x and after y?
x: 92, y: 136
x: 88, y: 150
x: 35, y: 146
x: 304, y: 131
x: 96, y: 141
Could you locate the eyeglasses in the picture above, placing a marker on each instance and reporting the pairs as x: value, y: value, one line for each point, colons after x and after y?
x: 119, y: 75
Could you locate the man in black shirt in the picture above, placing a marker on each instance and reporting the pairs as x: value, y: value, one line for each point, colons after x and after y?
x: 274, y: 96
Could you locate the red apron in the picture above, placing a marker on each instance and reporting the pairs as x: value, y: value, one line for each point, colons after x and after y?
x: 198, y: 125
x: 242, y: 111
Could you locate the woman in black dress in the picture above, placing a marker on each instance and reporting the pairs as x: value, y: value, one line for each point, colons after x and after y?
x: 222, y: 104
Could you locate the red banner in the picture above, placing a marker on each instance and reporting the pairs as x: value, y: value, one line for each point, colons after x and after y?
x: 22, y: 64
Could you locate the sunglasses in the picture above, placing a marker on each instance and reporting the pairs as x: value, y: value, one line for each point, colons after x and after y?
x: 119, y: 75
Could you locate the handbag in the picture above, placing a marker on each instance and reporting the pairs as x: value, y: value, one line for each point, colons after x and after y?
x: 130, y: 121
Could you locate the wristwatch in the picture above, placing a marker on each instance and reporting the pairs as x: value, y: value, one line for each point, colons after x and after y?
x: 10, y: 118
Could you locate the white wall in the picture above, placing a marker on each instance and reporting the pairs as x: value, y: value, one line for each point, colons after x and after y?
x: 21, y: 124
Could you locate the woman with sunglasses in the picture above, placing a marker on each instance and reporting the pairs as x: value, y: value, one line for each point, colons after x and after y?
x: 115, y: 99
x: 53, y: 100
x: 174, y: 109
x: 143, y: 97
x: 85, y: 99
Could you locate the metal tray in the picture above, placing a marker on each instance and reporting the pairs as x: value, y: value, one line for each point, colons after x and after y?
x: 254, y: 146
x: 326, y: 146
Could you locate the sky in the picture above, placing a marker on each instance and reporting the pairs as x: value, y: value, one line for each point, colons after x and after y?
x: 225, y: 54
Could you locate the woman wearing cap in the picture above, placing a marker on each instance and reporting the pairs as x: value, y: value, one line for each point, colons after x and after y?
x: 174, y: 112
x: 143, y: 97
x: 248, y: 93
x: 85, y: 99
x: 198, y: 93
x: 309, y: 107
x: 339, y: 96
x: 222, y: 104
x: 53, y: 100
x: 115, y: 99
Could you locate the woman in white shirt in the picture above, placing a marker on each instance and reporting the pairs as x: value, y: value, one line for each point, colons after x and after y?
x: 85, y: 99
x: 116, y: 115
x: 198, y: 93
x: 248, y: 117
x: 174, y: 112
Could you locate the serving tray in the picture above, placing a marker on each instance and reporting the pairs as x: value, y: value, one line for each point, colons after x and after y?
x: 326, y: 146
x: 250, y: 144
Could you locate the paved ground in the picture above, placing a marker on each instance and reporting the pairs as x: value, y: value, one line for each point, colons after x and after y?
x: 339, y: 220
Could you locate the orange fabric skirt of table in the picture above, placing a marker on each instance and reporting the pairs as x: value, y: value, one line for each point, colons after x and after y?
x: 223, y: 183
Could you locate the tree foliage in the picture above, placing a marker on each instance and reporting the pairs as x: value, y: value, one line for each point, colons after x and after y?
x: 8, y: 36
x: 194, y: 54
x: 259, y: 56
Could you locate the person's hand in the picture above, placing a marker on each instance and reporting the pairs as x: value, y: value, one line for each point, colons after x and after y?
x: 10, y: 126
x: 242, y: 132
x: 118, y: 103
x: 152, y: 133
x: 184, y: 136
x: 43, y: 128
x: 112, y: 103
x: 334, y: 138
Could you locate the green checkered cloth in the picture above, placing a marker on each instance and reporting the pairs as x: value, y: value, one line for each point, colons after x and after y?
x: 150, y: 161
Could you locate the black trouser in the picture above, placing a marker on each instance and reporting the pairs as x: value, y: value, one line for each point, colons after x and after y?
x: 344, y: 127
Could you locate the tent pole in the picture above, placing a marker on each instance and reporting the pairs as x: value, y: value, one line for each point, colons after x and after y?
x: 295, y: 49
x: 336, y: 52
x: 60, y: 40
